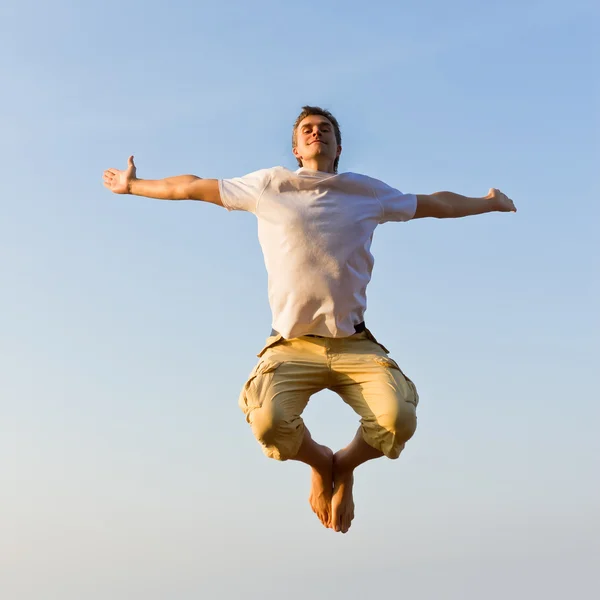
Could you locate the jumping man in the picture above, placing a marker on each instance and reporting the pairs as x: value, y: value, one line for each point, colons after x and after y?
x: 315, y: 228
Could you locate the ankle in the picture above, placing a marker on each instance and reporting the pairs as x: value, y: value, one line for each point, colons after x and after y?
x: 323, y: 459
x: 341, y: 464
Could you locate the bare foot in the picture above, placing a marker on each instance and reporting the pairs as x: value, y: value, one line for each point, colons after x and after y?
x: 321, y: 488
x: 342, y: 502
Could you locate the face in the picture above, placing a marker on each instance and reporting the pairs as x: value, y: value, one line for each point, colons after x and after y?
x: 315, y: 137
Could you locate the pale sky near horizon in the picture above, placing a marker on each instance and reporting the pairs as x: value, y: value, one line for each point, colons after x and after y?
x: 129, y: 325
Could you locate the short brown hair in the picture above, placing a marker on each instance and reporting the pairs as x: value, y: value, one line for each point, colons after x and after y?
x: 307, y: 111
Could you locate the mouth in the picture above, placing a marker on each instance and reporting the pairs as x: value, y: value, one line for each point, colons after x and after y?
x: 318, y: 142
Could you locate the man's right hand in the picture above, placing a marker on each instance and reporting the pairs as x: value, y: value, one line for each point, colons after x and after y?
x: 118, y: 181
x: 180, y: 187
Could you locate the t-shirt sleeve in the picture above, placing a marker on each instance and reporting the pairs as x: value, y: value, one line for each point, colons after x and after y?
x: 242, y: 193
x: 396, y: 206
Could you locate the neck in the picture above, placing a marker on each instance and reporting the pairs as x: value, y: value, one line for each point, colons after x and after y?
x: 319, y: 163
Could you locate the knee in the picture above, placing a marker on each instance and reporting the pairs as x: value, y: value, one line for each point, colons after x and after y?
x: 405, y: 424
x: 400, y: 416
x: 398, y: 426
x: 279, y: 436
x: 266, y: 421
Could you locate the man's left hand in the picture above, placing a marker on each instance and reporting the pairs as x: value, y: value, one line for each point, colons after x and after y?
x: 501, y: 202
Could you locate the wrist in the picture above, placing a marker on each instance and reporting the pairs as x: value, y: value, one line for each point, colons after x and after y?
x: 130, y: 185
x: 491, y: 201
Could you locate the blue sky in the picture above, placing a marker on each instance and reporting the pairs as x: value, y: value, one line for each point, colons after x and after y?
x: 129, y: 325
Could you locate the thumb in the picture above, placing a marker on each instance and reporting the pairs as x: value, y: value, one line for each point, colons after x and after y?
x: 130, y: 162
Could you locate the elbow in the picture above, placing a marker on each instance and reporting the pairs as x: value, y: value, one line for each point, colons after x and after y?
x: 190, y: 188
x: 182, y: 193
x: 434, y: 206
x: 186, y: 189
x: 446, y: 211
x: 443, y: 207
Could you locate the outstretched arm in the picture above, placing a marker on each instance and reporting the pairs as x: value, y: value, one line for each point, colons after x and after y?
x: 447, y: 205
x: 182, y: 187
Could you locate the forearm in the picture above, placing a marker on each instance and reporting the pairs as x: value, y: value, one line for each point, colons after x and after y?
x: 170, y: 188
x: 455, y: 205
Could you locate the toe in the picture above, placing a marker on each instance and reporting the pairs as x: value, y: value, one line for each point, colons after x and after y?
x: 333, y: 521
x: 344, y: 527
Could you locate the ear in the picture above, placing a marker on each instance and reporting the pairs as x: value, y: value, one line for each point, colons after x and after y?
x: 339, y: 151
x: 296, y: 152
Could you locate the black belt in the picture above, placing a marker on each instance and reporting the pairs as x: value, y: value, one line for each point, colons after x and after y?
x: 357, y: 329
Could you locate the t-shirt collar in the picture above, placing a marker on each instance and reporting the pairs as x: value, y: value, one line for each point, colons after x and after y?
x: 313, y: 173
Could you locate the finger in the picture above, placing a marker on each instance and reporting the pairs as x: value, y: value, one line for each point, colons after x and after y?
x: 111, y: 171
x: 130, y: 162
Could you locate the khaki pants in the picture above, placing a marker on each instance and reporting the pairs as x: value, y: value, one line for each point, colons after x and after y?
x: 357, y: 368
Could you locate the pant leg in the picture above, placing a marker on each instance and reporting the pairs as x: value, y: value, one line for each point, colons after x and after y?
x: 277, y: 393
x: 378, y: 391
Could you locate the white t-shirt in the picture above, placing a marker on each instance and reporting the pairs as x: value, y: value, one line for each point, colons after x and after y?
x: 315, y: 230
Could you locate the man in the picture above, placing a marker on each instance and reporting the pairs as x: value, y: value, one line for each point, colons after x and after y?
x: 315, y: 228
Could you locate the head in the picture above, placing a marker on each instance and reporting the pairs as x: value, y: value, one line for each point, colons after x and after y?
x: 316, y: 137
